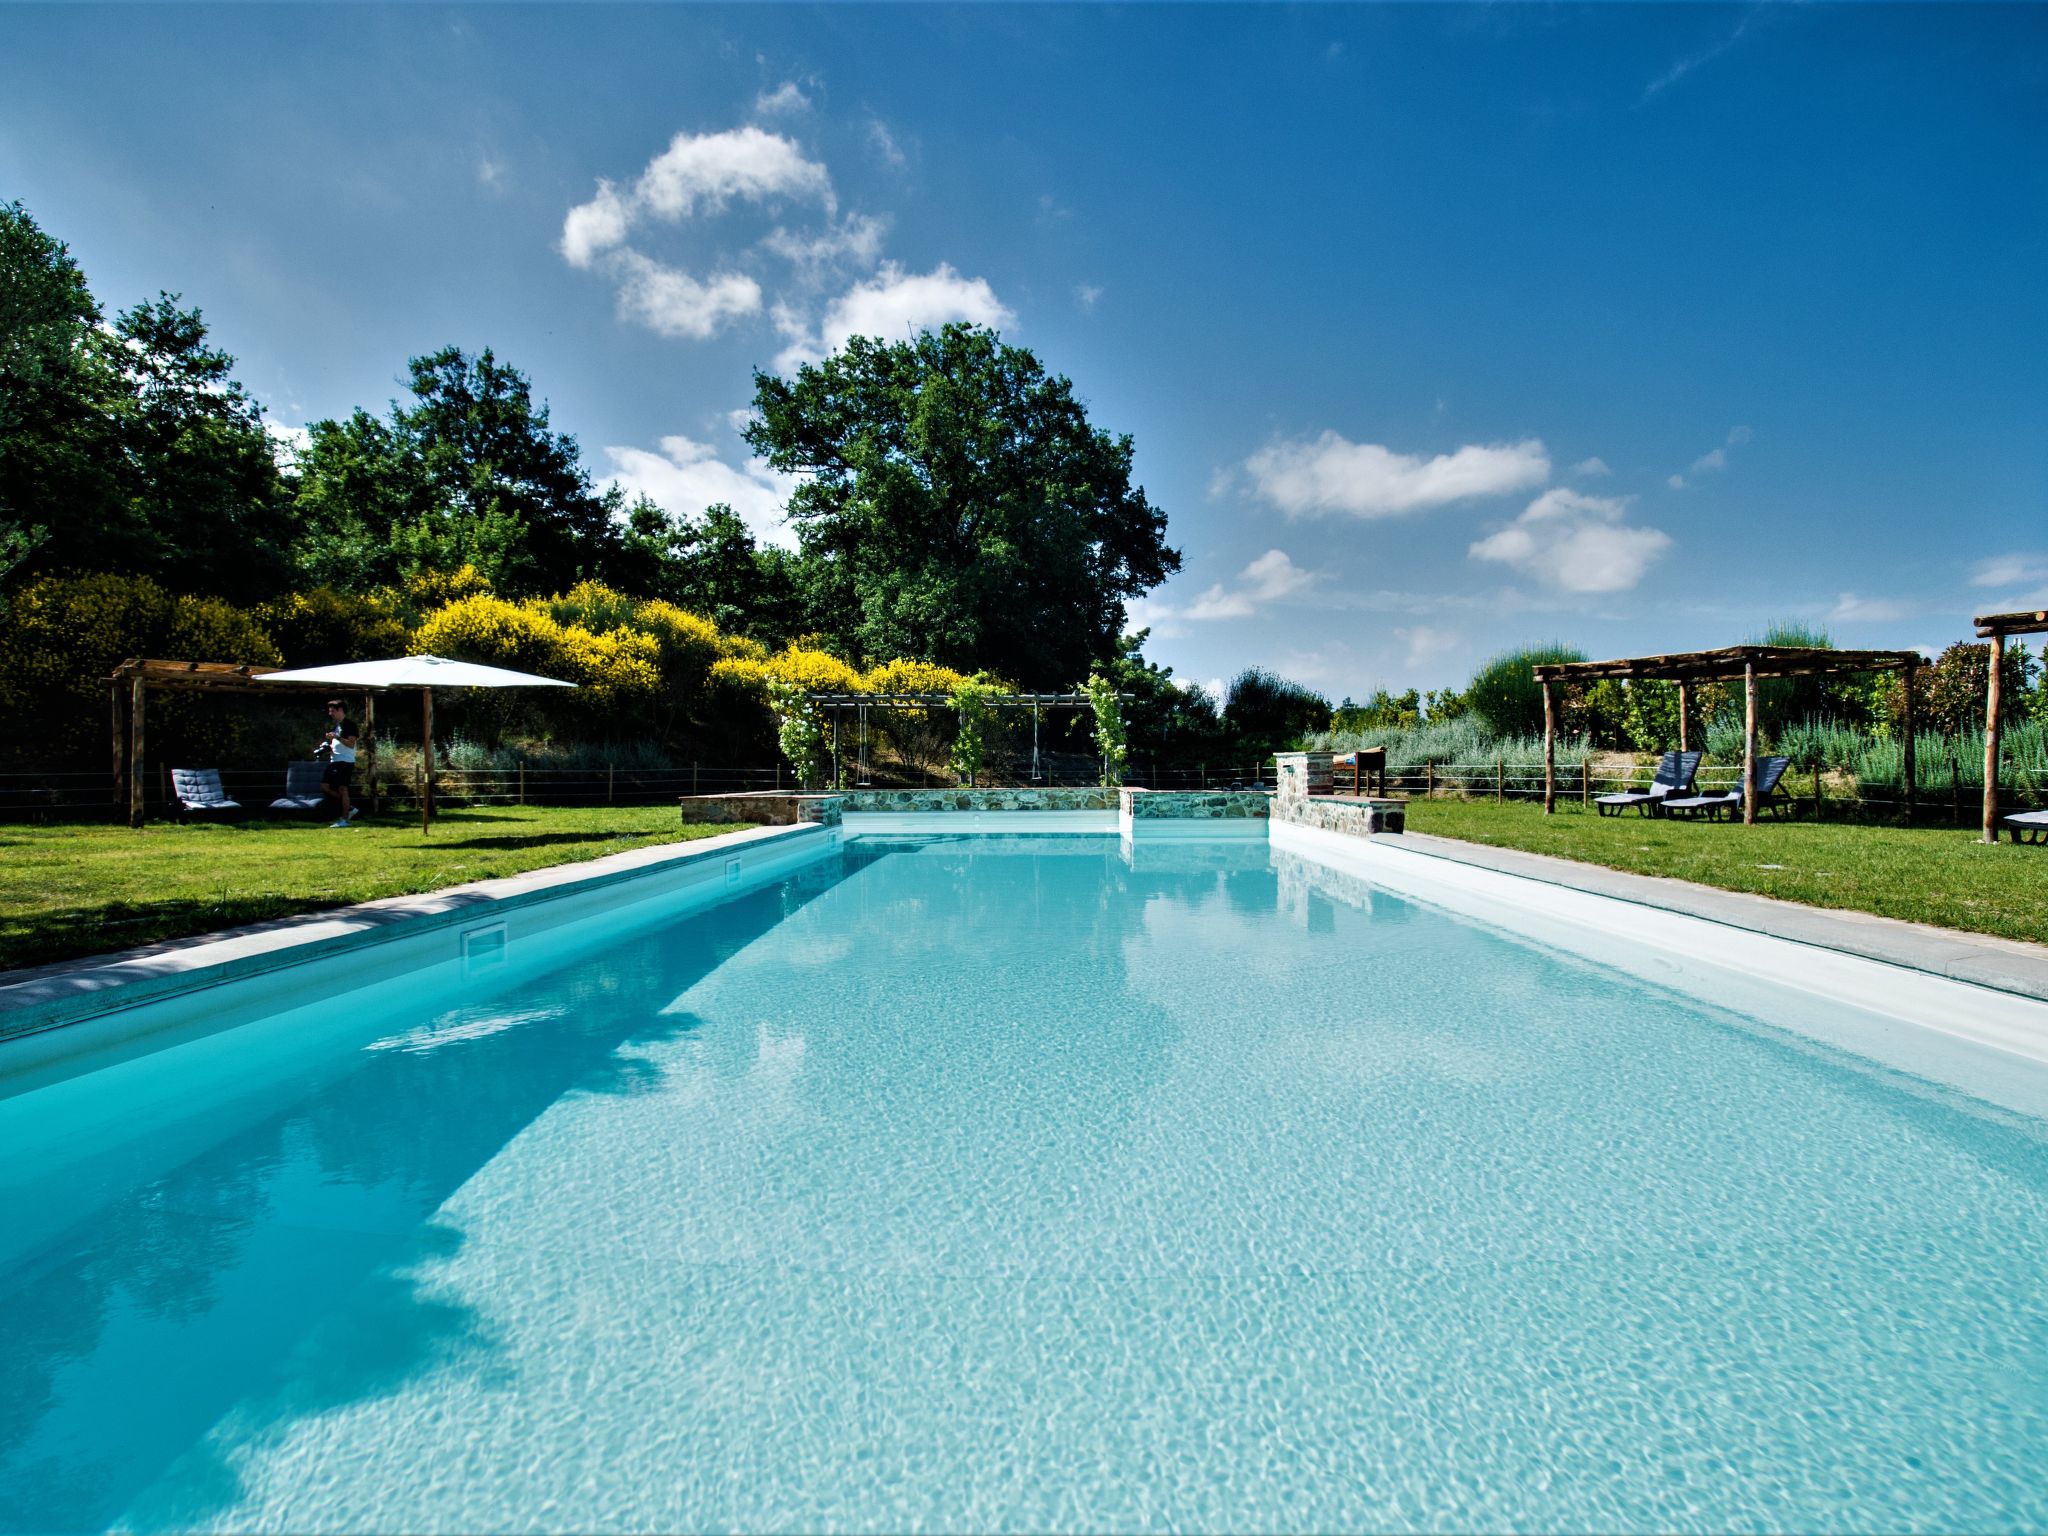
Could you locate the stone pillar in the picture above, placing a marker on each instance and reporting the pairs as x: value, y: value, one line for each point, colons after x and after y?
x: 1303, y: 774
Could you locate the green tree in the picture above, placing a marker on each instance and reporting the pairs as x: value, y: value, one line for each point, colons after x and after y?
x: 1109, y: 727
x: 1505, y: 694
x: 959, y: 507
x: 206, y: 506
x: 1267, y: 713
x: 56, y: 391
x: 971, y: 697
x: 128, y: 448
x: 468, y: 472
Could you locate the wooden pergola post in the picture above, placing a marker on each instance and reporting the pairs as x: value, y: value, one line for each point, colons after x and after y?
x: 1749, y: 744
x: 1910, y: 728
x: 1684, y: 709
x: 1991, y: 712
x: 426, y: 757
x: 1549, y: 751
x: 137, y: 784
x: 369, y: 753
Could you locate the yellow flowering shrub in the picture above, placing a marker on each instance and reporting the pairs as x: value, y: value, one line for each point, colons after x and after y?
x: 493, y: 631
x: 904, y: 676
x: 813, y: 671
x: 64, y: 635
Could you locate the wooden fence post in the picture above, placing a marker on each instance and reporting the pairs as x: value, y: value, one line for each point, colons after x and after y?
x: 1500, y: 781
x: 1816, y: 789
x: 1429, y: 779
x: 1585, y: 781
x: 522, y: 781
x: 1911, y: 730
x: 610, y: 769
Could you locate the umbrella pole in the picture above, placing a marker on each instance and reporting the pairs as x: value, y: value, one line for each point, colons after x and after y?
x: 426, y: 757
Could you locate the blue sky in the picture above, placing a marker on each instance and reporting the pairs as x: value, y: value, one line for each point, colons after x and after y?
x: 1440, y: 329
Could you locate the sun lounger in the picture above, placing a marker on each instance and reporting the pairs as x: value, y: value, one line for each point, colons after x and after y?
x: 2027, y: 826
x: 1769, y: 797
x: 198, y: 792
x: 1673, y: 777
x: 302, y: 790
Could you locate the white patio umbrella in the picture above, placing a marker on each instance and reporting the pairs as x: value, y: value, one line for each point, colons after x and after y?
x: 425, y: 673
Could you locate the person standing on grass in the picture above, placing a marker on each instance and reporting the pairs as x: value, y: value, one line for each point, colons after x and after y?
x: 338, y: 748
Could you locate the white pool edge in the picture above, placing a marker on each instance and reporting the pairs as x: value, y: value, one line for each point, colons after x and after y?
x: 71, y: 996
x: 1988, y: 1042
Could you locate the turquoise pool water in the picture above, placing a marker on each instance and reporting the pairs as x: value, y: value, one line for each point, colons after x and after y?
x: 1005, y: 1183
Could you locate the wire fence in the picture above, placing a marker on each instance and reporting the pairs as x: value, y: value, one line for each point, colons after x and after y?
x: 80, y: 794
x: 73, y: 794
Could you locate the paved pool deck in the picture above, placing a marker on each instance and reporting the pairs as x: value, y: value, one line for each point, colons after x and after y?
x: 2008, y: 965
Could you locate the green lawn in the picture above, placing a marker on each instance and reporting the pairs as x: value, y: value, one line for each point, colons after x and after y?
x: 79, y: 889
x: 1933, y: 875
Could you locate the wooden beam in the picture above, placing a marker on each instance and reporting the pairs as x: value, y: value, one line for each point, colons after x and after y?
x: 1684, y: 709
x: 1549, y: 753
x: 1990, y: 624
x: 1749, y: 747
x: 1991, y: 711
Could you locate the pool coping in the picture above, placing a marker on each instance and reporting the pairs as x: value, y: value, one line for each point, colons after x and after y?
x: 44, y: 997
x: 1981, y: 959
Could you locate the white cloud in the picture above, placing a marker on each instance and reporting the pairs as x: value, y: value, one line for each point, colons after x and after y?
x: 673, y: 303
x: 1310, y: 477
x: 1592, y: 468
x: 1714, y: 459
x: 786, y: 97
x: 490, y: 173
x: 596, y: 226
x: 894, y: 304
x: 2013, y: 570
x: 707, y: 170
x: 686, y: 476
x: 855, y: 240
x: 1163, y: 619
x: 1087, y: 295
x: 287, y: 443
x: 1576, y: 543
x: 1268, y: 579
x: 1426, y: 643
x: 1219, y: 604
x: 1851, y: 609
x: 1273, y: 576
x: 884, y: 144
x: 696, y: 173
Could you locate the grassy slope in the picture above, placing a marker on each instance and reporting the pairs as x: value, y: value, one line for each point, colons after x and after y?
x: 69, y: 890
x: 1933, y: 875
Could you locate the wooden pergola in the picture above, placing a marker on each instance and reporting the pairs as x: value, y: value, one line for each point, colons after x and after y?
x: 860, y: 703
x: 133, y: 679
x: 1748, y: 662
x: 1995, y: 627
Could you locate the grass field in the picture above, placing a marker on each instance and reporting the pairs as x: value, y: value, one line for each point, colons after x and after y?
x: 1935, y: 875
x: 80, y: 889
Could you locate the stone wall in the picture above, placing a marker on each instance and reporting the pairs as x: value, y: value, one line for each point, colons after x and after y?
x: 1194, y: 804
x: 913, y: 801
x: 1305, y: 799
x: 1358, y: 818
x: 767, y: 810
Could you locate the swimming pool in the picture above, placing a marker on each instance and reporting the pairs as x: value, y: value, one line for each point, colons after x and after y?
x: 1024, y: 1183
